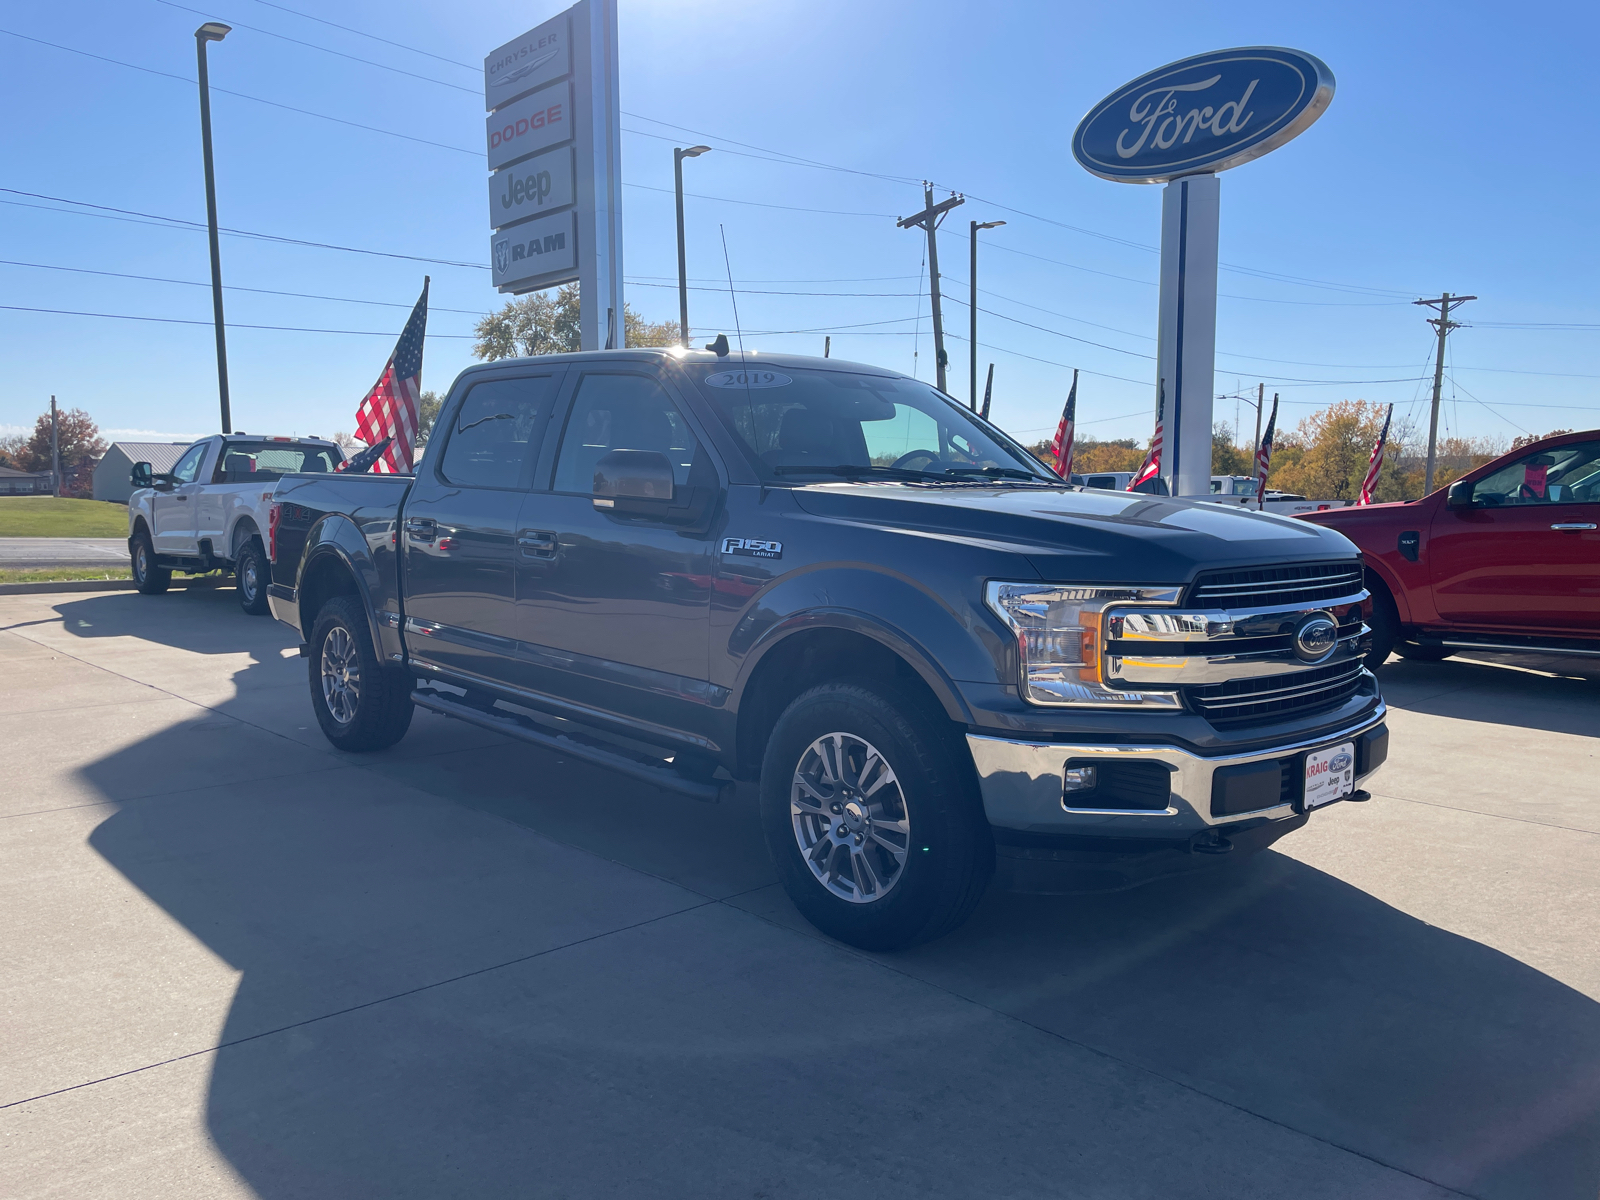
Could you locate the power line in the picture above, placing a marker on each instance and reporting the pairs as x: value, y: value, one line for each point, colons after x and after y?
x: 362, y: 33
x: 833, y: 212
x: 68, y: 312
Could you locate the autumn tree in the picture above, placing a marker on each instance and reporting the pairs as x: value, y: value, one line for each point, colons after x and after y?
x: 12, y: 446
x: 79, y: 443
x: 1226, y: 457
x: 542, y: 323
x: 427, y: 413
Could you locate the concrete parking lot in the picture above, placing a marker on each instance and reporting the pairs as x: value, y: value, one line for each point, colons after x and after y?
x: 237, y: 962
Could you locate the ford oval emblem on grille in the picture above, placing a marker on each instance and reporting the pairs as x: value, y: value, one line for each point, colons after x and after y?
x: 1316, y: 638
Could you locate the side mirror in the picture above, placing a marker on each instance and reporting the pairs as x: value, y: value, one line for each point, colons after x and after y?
x: 1459, y: 495
x: 140, y: 476
x: 633, y: 483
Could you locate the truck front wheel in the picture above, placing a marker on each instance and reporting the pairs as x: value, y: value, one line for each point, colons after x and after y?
x: 875, y: 827
x: 150, y: 579
x: 361, y: 703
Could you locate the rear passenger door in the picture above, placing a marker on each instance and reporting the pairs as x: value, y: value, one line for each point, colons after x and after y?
x: 616, y: 609
x: 459, y: 528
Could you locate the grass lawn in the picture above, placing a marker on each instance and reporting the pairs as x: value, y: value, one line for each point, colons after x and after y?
x: 58, y: 574
x: 45, y: 516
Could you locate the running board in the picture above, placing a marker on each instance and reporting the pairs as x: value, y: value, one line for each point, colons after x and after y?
x: 524, y: 730
x: 1512, y: 648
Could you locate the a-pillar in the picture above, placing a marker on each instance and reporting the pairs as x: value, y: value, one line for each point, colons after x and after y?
x: 1187, y: 339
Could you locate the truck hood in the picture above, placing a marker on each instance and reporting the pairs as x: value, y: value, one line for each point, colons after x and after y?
x: 1088, y: 536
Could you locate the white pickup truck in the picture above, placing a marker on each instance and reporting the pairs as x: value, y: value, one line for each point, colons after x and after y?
x: 210, y: 511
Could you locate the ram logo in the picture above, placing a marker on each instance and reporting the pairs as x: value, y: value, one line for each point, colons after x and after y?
x: 752, y: 547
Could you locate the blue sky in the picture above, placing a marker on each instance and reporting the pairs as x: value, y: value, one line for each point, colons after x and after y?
x: 1458, y: 154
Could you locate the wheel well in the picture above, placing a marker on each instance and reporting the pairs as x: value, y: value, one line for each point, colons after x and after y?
x: 1381, y: 594
x: 325, y: 578
x: 802, y: 661
x: 243, y: 529
x: 139, y: 526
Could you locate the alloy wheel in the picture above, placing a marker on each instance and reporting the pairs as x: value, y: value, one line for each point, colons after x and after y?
x: 850, y: 818
x: 341, y: 675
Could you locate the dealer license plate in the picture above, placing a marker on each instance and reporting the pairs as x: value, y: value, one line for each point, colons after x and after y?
x: 1330, y: 774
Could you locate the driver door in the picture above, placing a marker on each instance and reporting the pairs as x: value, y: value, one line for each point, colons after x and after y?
x: 172, y: 514
x: 1525, y: 555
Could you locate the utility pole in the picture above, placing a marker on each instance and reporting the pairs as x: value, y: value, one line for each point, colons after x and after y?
x: 678, y: 155
x: 988, y: 390
x: 929, y: 219
x: 55, y: 452
x: 1261, y: 397
x: 213, y: 31
x: 972, y: 309
x: 1444, y: 325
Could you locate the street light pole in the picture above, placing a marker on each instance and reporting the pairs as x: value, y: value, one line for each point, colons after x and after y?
x: 972, y: 309
x: 213, y: 31
x: 678, y: 155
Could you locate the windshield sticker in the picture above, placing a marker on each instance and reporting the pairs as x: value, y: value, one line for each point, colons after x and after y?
x: 747, y: 379
x: 752, y: 547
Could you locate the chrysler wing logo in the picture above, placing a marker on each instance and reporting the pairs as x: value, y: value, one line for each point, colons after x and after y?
x: 524, y: 72
x: 502, y: 255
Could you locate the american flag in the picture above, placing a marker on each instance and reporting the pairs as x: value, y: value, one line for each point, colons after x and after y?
x: 1152, y: 460
x: 1061, y: 448
x: 1375, y: 463
x: 1264, y: 457
x: 390, y: 408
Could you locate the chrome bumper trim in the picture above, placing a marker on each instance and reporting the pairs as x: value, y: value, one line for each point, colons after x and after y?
x: 1021, y: 783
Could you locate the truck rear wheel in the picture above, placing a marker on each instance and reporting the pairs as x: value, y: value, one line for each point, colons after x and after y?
x: 361, y: 703
x: 150, y: 579
x: 250, y: 575
x: 877, y: 832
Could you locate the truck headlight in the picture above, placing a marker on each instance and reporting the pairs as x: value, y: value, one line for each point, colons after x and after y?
x: 1060, y: 632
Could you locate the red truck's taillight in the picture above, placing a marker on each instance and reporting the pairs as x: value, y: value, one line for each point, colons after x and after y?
x: 273, y: 515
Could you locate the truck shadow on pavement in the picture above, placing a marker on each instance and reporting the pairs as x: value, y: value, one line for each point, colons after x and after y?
x: 434, y: 1002
x: 1557, y: 694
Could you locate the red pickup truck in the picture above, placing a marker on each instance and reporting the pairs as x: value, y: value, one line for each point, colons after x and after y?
x: 1506, y: 558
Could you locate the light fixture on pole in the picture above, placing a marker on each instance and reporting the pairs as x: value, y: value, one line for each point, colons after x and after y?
x: 972, y: 309
x: 213, y: 31
x: 678, y: 155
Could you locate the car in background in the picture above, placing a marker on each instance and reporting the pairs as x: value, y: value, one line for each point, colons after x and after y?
x: 1240, y: 491
x: 1507, y: 558
x: 210, y: 511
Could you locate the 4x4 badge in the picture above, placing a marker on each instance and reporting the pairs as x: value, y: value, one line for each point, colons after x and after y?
x: 752, y: 547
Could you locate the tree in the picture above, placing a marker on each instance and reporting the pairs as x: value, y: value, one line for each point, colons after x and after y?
x: 540, y: 323
x: 11, y: 450
x: 1227, y: 458
x: 79, y: 443
x: 427, y: 413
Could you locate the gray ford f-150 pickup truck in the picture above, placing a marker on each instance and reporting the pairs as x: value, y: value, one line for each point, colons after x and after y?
x: 937, y: 658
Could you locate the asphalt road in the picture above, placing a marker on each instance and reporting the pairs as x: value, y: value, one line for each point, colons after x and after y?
x: 17, y: 552
x: 238, y: 963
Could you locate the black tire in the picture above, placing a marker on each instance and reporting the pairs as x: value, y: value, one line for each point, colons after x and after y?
x: 949, y: 854
x: 150, y: 579
x: 251, y: 574
x: 373, y: 700
x: 1420, y: 653
x: 1384, y: 621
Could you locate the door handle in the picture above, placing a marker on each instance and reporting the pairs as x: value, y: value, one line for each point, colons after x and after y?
x: 421, y: 528
x: 537, y: 543
x: 185, y: 499
x: 1572, y: 526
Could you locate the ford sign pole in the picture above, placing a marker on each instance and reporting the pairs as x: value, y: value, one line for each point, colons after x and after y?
x: 213, y: 31
x: 1180, y: 125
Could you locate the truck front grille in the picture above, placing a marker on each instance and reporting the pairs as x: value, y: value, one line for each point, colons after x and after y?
x: 1303, y: 584
x: 1276, y: 697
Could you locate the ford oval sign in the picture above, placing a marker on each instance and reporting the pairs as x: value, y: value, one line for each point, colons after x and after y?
x: 1203, y: 114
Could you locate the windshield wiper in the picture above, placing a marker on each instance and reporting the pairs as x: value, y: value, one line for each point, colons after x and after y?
x: 850, y: 471
x: 997, y: 473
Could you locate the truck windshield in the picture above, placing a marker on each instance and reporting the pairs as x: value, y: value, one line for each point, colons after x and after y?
x: 261, y: 462
x: 799, y: 422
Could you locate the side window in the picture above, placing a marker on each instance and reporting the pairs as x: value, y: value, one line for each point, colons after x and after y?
x: 189, y: 465
x: 497, y: 431
x: 622, y: 412
x: 1562, y: 475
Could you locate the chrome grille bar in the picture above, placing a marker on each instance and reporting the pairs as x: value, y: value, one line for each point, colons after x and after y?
x: 1292, y: 692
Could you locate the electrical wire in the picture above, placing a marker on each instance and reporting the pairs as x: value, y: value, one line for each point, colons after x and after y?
x: 68, y: 312
x: 362, y: 33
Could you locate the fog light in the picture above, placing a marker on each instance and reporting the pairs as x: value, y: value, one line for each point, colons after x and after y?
x: 1078, y: 779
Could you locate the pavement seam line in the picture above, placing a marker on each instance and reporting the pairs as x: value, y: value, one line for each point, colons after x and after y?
x: 1475, y: 812
x: 199, y: 787
x: 1105, y: 1054
x: 328, y: 1016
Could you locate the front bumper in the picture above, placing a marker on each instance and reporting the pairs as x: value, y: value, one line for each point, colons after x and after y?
x: 1021, y: 784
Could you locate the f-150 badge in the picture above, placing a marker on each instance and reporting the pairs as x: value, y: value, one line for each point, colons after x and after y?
x: 752, y: 547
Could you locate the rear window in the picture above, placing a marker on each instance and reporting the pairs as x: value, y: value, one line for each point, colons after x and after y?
x: 262, y: 462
